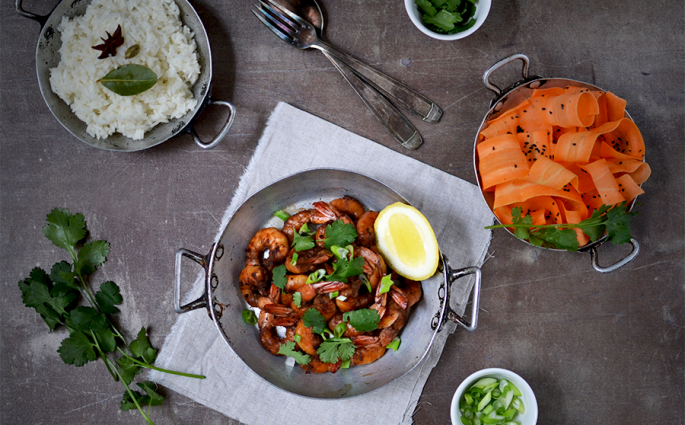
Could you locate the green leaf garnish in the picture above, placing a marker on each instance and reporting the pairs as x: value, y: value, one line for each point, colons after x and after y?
x: 92, y: 334
x: 279, y: 276
x: 363, y: 320
x: 249, y: 317
x: 334, y: 349
x: 386, y: 283
x: 302, y: 239
x: 77, y: 349
x: 141, y: 348
x: 282, y: 215
x: 152, y: 398
x: 288, y: 349
x: 342, y: 269
x: 316, y: 276
x: 297, y: 299
x: 615, y: 221
x: 129, y: 80
x: 313, y: 319
x: 108, y: 297
x: 340, y: 234
x: 394, y: 344
x: 447, y: 16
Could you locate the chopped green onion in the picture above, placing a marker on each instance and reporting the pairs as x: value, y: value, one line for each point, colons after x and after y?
x: 297, y: 338
x: 282, y: 215
x: 394, y: 344
x: 340, y: 329
x: 341, y: 298
x: 294, y: 260
x: 333, y: 294
x: 249, y: 317
x: 316, y: 276
x: 345, y: 364
x: 491, y: 401
x: 366, y: 283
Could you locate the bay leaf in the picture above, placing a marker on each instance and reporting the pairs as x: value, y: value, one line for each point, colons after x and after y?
x: 129, y: 80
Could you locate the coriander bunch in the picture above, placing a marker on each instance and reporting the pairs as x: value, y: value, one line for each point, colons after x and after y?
x: 92, y: 335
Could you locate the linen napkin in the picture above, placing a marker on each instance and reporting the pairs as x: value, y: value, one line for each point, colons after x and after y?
x: 454, y: 208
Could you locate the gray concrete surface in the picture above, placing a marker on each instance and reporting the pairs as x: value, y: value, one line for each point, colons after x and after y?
x: 596, y: 348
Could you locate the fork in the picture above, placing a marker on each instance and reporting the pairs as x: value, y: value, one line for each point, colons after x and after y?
x: 301, y: 34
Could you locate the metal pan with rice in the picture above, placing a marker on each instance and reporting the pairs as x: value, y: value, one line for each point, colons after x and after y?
x: 164, y: 37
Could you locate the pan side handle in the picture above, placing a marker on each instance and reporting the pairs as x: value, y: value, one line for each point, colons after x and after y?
x: 450, y: 314
x: 198, y: 303
x: 20, y: 10
x: 501, y: 63
x: 627, y: 259
x: 224, y: 130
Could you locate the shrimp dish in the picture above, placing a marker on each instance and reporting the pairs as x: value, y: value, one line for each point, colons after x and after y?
x: 320, y: 291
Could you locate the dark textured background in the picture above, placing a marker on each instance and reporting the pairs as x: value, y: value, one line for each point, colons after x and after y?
x: 595, y: 348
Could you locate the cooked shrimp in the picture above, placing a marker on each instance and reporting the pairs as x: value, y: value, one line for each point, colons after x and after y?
x: 253, y: 282
x: 367, y: 235
x: 338, y: 319
x: 317, y: 366
x: 325, y: 213
x: 310, y: 291
x: 309, y: 341
x: 348, y: 205
x: 391, y: 324
x: 325, y: 305
x: 270, y: 340
x: 374, y: 266
x: 355, y: 303
x: 295, y: 222
x: 367, y: 354
x: 267, y: 248
x: 399, y: 296
x: 412, y: 290
x: 307, y: 260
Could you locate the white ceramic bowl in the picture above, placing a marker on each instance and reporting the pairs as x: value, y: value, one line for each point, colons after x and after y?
x: 527, y: 395
x: 482, y: 10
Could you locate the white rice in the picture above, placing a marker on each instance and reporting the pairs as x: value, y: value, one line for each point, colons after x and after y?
x: 167, y: 48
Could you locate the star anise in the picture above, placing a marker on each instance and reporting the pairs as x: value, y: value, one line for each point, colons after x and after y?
x: 109, y: 47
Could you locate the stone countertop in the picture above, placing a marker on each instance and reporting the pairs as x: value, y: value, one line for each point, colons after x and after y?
x: 596, y: 348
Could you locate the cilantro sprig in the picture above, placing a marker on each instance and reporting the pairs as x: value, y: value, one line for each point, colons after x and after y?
x: 363, y: 320
x: 288, y: 349
x: 447, y: 16
x: 302, y: 239
x: 340, y: 234
x: 92, y: 334
x: 334, y: 349
x: 615, y: 221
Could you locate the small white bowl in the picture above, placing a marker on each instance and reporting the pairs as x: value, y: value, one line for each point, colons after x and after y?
x: 482, y: 10
x: 527, y: 395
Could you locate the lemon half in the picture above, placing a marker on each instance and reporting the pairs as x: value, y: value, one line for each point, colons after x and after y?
x: 407, y: 242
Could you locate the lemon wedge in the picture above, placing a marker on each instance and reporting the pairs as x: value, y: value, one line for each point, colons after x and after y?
x: 407, y: 242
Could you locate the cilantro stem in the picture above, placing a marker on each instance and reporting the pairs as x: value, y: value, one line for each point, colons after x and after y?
x: 159, y: 369
x: 118, y: 377
x: 104, y: 357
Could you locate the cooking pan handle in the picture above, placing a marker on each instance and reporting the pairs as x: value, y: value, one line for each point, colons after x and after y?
x: 224, y: 130
x: 198, y: 303
x: 450, y: 314
x: 627, y: 259
x: 498, y: 65
x: 20, y: 10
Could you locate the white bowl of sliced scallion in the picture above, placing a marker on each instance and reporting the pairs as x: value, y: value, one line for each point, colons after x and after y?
x: 494, y: 397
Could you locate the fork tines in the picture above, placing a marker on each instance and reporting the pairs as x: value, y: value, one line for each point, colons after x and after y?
x: 279, y: 20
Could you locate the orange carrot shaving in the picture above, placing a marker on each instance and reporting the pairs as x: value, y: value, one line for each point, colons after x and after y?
x: 560, y: 155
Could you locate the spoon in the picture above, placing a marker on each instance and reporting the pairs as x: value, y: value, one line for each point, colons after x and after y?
x: 396, y: 123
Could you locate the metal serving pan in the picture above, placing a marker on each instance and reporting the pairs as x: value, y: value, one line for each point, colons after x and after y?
x: 47, y: 57
x: 224, y: 302
x: 513, y: 96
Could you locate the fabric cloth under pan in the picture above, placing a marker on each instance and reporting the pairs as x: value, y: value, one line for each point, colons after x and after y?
x: 456, y: 212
